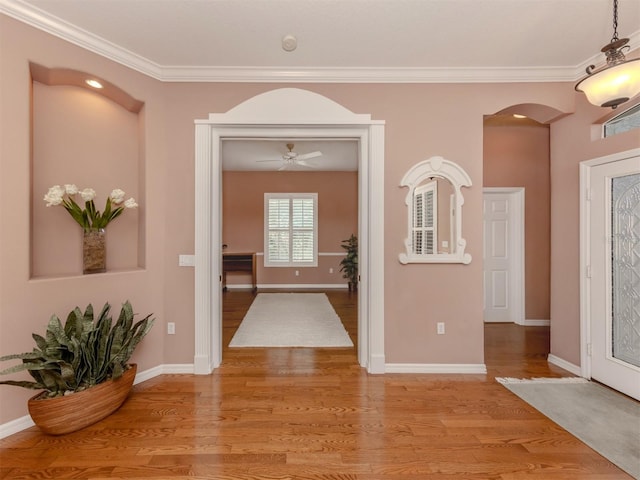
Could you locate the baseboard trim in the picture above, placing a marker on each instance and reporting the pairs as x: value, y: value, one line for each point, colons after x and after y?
x: 22, y: 423
x: 15, y: 426
x: 290, y: 286
x: 532, y: 322
x: 559, y: 362
x: 166, y: 369
x: 377, y: 365
x: 469, y: 368
x: 526, y: 323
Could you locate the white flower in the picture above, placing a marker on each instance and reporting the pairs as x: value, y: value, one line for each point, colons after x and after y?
x: 71, y: 189
x: 117, y: 196
x: 54, y: 195
x: 131, y: 203
x: 88, y: 194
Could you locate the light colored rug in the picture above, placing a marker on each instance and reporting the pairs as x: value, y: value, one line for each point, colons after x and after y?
x: 291, y: 320
x: 605, y: 420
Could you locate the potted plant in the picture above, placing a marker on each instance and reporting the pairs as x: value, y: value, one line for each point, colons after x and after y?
x: 349, y: 264
x: 81, y: 366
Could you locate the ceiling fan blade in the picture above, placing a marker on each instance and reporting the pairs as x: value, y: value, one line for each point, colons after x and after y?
x: 283, y: 167
x: 273, y: 160
x: 307, y: 156
x: 302, y: 163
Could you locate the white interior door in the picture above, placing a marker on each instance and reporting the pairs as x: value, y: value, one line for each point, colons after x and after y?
x: 614, y: 265
x: 503, y: 266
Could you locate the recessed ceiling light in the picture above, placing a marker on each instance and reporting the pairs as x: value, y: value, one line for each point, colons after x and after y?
x: 93, y: 83
x: 517, y: 115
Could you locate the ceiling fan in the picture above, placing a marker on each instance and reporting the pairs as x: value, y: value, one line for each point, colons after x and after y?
x: 291, y: 158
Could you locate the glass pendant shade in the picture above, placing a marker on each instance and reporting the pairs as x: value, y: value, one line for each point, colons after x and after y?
x: 611, y: 86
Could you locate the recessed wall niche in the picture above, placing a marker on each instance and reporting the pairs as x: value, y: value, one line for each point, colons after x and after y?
x: 90, y: 138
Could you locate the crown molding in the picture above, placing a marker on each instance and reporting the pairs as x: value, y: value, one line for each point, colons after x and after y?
x: 66, y: 31
x: 366, y: 75
x: 41, y: 20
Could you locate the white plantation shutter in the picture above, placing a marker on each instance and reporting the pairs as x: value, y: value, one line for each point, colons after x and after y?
x: 291, y: 229
x: 278, y: 230
x: 425, y: 219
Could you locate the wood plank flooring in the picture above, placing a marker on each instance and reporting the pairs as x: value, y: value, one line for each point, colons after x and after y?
x: 314, y: 414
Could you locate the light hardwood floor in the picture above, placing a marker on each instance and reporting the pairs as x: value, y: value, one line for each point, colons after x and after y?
x: 315, y: 414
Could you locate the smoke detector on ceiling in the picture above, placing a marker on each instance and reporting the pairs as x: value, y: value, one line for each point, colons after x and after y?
x: 289, y: 43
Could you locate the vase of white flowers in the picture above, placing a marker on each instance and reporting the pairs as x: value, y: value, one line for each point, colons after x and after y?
x: 92, y: 221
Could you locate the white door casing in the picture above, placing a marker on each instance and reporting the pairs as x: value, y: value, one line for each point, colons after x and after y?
x: 597, y: 356
x: 503, y: 254
x: 288, y: 113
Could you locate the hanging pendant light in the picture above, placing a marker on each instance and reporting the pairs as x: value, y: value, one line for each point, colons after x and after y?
x: 618, y: 80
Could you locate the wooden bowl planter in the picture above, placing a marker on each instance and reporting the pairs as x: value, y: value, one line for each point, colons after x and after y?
x: 66, y: 414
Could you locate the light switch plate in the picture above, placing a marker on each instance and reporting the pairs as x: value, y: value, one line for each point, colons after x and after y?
x: 186, y: 260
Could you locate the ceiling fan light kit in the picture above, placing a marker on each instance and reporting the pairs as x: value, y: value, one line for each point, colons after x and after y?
x: 617, y: 81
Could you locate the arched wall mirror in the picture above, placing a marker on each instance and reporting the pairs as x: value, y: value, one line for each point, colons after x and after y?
x: 434, y: 205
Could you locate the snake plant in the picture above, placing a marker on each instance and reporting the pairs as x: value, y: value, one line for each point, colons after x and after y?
x: 82, y: 353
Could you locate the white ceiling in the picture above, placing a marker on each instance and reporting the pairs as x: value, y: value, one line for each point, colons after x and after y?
x: 243, y: 155
x: 337, y: 41
x: 340, y: 40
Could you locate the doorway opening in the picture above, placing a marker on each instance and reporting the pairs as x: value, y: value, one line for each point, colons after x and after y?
x: 293, y: 114
x: 286, y: 210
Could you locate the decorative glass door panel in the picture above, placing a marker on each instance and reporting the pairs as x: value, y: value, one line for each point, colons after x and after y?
x: 625, y: 268
x: 613, y: 261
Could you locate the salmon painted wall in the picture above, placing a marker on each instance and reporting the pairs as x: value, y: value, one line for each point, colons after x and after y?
x: 518, y: 156
x: 26, y: 301
x: 243, y: 221
x: 421, y: 120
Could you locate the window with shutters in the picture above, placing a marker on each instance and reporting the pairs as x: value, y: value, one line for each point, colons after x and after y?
x: 291, y: 229
x: 425, y: 219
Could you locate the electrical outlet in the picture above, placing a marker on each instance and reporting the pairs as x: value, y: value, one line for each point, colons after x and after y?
x: 330, y: 270
x: 171, y: 328
x: 440, y: 328
x: 297, y: 273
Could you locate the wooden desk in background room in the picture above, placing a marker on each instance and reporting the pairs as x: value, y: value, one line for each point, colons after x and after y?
x: 239, y: 262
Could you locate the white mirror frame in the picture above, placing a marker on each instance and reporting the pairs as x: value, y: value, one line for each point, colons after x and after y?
x: 451, y: 171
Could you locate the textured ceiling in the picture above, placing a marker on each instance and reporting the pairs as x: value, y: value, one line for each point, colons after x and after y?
x: 340, y: 40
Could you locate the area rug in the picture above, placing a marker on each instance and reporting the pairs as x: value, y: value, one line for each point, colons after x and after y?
x: 605, y: 420
x: 291, y: 320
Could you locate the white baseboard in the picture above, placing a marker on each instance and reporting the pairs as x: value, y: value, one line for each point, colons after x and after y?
x: 22, y: 423
x: 377, y: 364
x: 471, y: 368
x: 291, y: 286
x: 15, y: 426
x: 559, y: 362
x: 529, y: 322
x: 526, y: 323
x: 165, y: 369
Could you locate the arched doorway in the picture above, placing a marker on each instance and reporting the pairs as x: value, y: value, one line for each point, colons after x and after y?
x: 292, y: 113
